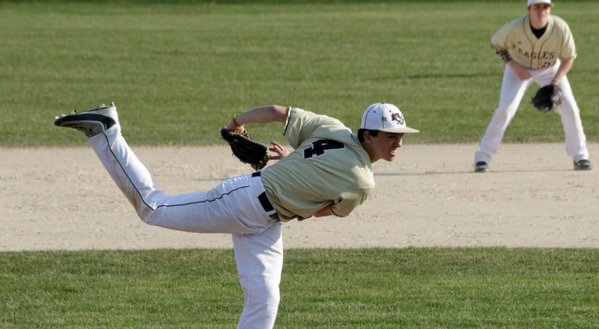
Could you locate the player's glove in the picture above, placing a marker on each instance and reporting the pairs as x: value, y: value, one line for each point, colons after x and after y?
x: 547, y: 98
x: 245, y: 149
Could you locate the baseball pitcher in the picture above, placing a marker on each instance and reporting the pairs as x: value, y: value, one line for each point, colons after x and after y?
x: 537, y: 48
x: 328, y: 173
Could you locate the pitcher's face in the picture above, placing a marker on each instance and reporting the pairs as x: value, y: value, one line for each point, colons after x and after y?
x: 386, y: 145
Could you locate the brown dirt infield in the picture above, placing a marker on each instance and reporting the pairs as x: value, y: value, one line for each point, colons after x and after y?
x: 61, y: 198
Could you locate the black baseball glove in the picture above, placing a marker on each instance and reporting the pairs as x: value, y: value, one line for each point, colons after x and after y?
x: 246, y: 149
x: 547, y: 98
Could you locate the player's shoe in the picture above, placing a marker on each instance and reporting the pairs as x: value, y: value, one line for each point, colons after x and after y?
x: 91, y: 122
x: 583, y: 164
x: 480, y: 166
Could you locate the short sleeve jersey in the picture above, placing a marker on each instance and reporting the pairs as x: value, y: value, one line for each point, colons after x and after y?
x: 329, y: 167
x: 517, y: 37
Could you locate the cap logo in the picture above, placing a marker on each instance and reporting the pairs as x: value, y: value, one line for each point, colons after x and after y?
x: 398, y: 118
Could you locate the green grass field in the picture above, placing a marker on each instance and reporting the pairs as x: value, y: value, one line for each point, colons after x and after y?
x: 178, y: 72
x: 373, y: 288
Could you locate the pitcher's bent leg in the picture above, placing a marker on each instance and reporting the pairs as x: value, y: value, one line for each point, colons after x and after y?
x: 228, y: 208
x: 259, y: 260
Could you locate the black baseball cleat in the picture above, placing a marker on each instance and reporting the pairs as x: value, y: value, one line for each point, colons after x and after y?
x: 583, y: 164
x: 480, y: 167
x: 91, y: 122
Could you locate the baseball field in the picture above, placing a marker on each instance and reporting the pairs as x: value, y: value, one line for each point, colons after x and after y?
x: 436, y: 246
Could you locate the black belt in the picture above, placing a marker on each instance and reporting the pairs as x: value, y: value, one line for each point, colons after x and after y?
x: 265, y: 202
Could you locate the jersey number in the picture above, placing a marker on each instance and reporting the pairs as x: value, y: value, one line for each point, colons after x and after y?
x: 320, y: 146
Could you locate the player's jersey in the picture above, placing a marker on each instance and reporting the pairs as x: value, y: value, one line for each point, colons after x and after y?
x: 523, y: 46
x: 328, y: 167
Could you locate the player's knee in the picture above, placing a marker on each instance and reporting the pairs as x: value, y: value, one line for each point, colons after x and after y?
x: 259, y: 291
x: 260, y: 307
x: 146, y: 215
x: 155, y: 217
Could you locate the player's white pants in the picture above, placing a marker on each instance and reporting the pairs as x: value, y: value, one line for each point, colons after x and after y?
x: 231, y: 207
x: 512, y: 91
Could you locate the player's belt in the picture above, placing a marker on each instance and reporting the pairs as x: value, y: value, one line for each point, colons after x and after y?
x: 265, y: 202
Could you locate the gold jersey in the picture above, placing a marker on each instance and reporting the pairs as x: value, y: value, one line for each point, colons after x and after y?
x: 329, y: 167
x: 523, y: 46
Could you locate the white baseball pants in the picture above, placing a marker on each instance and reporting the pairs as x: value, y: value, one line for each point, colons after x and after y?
x: 512, y: 91
x: 231, y: 207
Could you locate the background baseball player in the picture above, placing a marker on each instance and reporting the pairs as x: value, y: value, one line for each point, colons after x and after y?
x: 329, y: 173
x: 537, y: 48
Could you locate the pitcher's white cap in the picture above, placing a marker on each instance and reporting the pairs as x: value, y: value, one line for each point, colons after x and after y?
x: 534, y: 2
x: 385, y: 117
